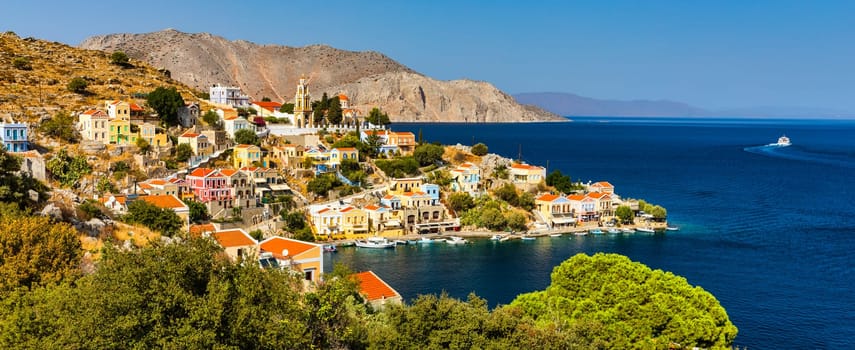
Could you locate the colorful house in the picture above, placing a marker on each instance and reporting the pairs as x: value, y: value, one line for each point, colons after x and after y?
x: 303, y: 257
x: 390, y: 141
x: 354, y: 221
x: 603, y: 203
x: 149, y: 133
x: 376, y: 292
x: 584, y: 207
x: 232, y: 124
x: 237, y: 244
x: 266, y: 108
x: 198, y: 142
x: 556, y: 210
x: 228, y: 95
x: 527, y: 175
x: 158, y: 187
x: 120, y: 132
x: 117, y: 203
x: 94, y: 126
x: 170, y: 202
x: 209, y: 185
x: 123, y: 110
x: 466, y: 177
x: 246, y: 155
x: 326, y: 221
x: 602, y: 186
x: 242, y: 188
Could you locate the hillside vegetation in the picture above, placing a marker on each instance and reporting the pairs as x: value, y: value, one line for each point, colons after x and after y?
x: 34, y: 78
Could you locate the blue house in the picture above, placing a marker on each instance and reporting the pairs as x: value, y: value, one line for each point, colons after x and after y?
x: 14, y: 136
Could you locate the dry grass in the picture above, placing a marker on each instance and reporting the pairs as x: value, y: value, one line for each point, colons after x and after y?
x: 140, y: 235
x: 456, y: 156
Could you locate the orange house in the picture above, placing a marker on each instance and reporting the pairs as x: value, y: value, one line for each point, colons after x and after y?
x: 376, y: 292
x: 302, y: 257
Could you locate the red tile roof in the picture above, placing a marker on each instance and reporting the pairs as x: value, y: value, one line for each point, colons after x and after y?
x: 277, y: 246
x: 233, y: 238
x: 135, y: 107
x: 95, y: 113
x: 189, y: 134
x: 525, y: 166
x: 373, y: 288
x: 575, y: 197
x: 342, y: 97
x: 345, y: 149
x: 604, y: 184
x: 268, y: 105
x: 548, y: 197
x: 166, y: 201
x: 201, y: 172
x: 198, y: 230
x: 345, y: 210
x: 372, y: 207
x: 228, y: 172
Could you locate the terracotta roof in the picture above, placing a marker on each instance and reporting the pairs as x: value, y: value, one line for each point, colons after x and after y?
x: 575, y: 197
x: 597, y: 195
x: 324, y: 210
x: 345, y: 210
x: 345, y: 149
x: 198, y: 230
x: 245, y: 146
x: 233, y: 238
x: 165, y: 201
x: 135, y: 107
x: 342, y: 97
x: 122, y: 199
x: 144, y: 186
x: 268, y: 105
x: 372, y: 207
x: 189, y: 134
x: 228, y: 172
x: 373, y: 288
x: 277, y: 245
x: 403, y: 133
x: 388, y: 196
x: 202, y: 172
x: 95, y: 113
x: 548, y: 197
x: 466, y: 165
x: 158, y: 182
x: 605, y: 184
x: 524, y: 166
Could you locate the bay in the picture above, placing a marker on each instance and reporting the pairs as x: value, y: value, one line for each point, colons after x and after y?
x: 770, y: 231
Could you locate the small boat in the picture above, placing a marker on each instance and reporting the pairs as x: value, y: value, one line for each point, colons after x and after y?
x: 400, y: 242
x: 412, y: 241
x: 330, y: 248
x: 456, y: 240
x: 425, y: 240
x: 783, y: 141
x: 627, y: 230
x: 554, y: 235
x: 672, y: 228
x: 375, y: 242
x: 528, y: 238
x: 645, y: 229
x: 613, y: 230
x: 496, y: 238
x: 505, y: 238
x: 581, y: 233
x: 596, y: 231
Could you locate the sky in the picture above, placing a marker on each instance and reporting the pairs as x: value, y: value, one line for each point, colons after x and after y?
x: 711, y: 54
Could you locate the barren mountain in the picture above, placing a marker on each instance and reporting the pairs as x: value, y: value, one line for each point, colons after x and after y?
x: 201, y: 60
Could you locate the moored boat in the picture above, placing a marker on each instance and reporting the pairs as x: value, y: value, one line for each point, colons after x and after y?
x: 580, y: 233
x: 672, y: 228
x: 595, y: 231
x: 375, y: 242
x: 645, y: 229
x: 400, y: 242
x: 554, y: 235
x: 496, y: 237
x: 456, y: 240
x: 425, y: 240
x: 528, y: 238
x: 613, y: 230
x: 330, y: 248
x: 627, y: 230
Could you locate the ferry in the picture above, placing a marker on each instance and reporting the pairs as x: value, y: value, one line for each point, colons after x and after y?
x: 783, y: 141
x: 375, y: 242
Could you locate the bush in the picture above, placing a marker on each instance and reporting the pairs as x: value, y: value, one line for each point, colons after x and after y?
x: 78, y: 85
x: 428, y: 154
x: 22, y: 63
x: 400, y: 167
x: 183, y: 152
x: 119, y: 58
x: 479, y: 149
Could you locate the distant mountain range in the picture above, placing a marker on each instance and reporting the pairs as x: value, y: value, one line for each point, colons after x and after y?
x: 568, y: 104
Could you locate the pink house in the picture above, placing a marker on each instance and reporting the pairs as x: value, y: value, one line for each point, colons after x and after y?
x: 208, y: 185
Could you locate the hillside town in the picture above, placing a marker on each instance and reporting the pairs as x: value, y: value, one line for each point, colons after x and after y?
x: 282, y: 182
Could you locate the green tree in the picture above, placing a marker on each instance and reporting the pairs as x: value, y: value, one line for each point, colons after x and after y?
x: 105, y: 185
x: 630, y: 305
x: 294, y: 220
x: 561, y: 182
x: 119, y: 58
x: 508, y: 193
x: 35, y: 251
x: 60, y: 126
x: 318, y: 116
x: 335, y: 312
x: 516, y: 221
x: 400, y: 167
x: 183, y: 152
x: 198, y: 211
x: 166, y: 102
x: 460, y: 202
x: 213, y: 120
x: 66, y: 169
x: 500, y: 171
x: 624, y: 213
x: 372, y: 146
x: 493, y: 219
x: 287, y: 108
x: 143, y: 145
x: 526, y: 201
x: 320, y: 185
x: 659, y: 212
x: 334, y: 113
x: 376, y: 117
x: 479, y: 149
x: 428, y: 153
x: 78, y: 85
x: 246, y: 137
x: 162, y: 220
x: 265, y: 99
x: 16, y: 188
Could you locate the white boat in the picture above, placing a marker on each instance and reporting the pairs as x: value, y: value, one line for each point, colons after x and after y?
x: 783, y: 141
x: 554, y: 235
x: 645, y: 229
x: 627, y: 230
x: 456, y: 240
x: 613, y: 230
x: 672, y: 228
x: 596, y: 231
x: 505, y: 238
x: 425, y: 240
x: 375, y: 242
x: 581, y: 233
x: 528, y: 238
x: 496, y: 237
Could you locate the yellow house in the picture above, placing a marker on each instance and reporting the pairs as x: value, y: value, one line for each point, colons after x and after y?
x: 149, y: 133
x: 94, y: 126
x: 354, y: 221
x: 403, y: 185
x: 237, y: 244
x: 524, y: 174
x: 556, y: 210
x: 303, y: 257
x: 198, y: 142
x: 404, y: 140
x: 245, y: 155
x: 120, y: 132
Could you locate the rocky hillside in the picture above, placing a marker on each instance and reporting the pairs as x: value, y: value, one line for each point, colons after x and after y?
x: 34, y: 75
x: 201, y: 60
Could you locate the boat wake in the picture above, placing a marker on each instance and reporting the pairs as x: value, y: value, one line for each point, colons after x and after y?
x: 846, y: 160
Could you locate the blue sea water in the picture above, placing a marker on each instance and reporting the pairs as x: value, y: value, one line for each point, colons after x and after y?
x: 770, y: 231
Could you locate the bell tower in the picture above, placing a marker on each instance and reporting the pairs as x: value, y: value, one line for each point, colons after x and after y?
x: 303, y: 105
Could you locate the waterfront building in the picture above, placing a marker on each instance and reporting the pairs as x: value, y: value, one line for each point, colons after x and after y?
x: 326, y: 221
x: 584, y: 207
x: 228, y: 95
x: 94, y: 126
x: 375, y: 291
x: 302, y: 257
x: 354, y: 221
x: 170, y: 202
x: 237, y: 244
x: 603, y: 203
x: 555, y: 210
x: 466, y: 177
x: 246, y: 155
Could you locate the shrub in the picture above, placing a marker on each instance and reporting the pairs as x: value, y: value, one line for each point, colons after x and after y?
x: 78, y: 85
x: 22, y: 63
x: 479, y: 149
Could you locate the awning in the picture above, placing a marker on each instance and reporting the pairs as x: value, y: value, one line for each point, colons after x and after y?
x: 563, y: 220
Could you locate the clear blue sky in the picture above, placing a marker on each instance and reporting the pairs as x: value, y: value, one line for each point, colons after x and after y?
x: 713, y: 54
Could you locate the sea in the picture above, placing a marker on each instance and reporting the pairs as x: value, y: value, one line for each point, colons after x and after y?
x: 769, y: 231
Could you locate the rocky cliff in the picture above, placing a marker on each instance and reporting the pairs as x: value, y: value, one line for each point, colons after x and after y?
x: 201, y: 60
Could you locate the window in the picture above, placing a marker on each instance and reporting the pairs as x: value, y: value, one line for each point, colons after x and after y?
x: 308, y: 274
